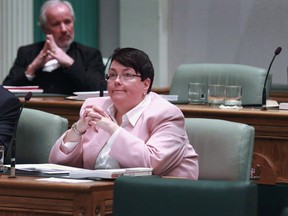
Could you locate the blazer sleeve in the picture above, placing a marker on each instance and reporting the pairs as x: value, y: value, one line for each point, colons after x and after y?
x: 9, y: 112
x: 16, y: 76
x: 57, y: 155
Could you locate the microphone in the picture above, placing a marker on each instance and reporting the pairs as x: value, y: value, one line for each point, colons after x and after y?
x: 277, y: 52
x: 107, y: 66
x: 13, y: 140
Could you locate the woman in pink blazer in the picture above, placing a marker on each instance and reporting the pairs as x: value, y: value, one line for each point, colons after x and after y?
x: 133, y: 127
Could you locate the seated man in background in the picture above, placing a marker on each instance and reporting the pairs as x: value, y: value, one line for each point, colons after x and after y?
x: 9, y: 112
x: 59, y: 64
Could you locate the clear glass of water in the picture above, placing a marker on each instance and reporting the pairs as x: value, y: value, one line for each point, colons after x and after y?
x: 233, y: 95
x: 197, y: 93
x: 216, y: 94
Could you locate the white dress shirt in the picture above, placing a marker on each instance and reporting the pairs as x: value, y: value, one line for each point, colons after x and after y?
x: 104, y: 160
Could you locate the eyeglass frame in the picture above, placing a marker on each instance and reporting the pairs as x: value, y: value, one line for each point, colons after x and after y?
x: 127, y: 78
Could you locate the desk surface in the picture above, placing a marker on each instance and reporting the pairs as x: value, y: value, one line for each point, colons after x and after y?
x: 271, y: 126
x: 54, y: 101
x: 60, y: 102
x: 25, y: 195
x: 252, y: 116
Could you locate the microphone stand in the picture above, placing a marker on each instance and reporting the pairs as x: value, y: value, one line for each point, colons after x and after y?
x: 264, y: 97
x: 102, y: 84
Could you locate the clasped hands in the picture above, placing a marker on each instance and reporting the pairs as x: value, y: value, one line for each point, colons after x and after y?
x: 95, y: 117
x: 50, y: 51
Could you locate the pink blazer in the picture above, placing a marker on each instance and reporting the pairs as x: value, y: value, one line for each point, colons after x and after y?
x: 158, y: 140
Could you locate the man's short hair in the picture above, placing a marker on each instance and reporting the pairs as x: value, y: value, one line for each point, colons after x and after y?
x: 42, y: 17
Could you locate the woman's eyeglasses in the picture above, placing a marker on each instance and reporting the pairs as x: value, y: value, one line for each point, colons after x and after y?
x: 124, y: 76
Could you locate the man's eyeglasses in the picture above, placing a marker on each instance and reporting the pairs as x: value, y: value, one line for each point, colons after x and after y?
x: 124, y: 76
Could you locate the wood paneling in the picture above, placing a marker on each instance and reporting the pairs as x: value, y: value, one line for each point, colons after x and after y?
x: 27, y: 196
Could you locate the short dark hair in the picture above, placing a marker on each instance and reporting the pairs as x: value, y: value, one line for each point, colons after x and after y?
x: 136, y: 59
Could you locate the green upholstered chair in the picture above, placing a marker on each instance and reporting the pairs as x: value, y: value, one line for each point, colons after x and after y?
x: 250, y: 78
x: 225, y: 154
x: 36, y: 133
x: 156, y: 196
x: 225, y: 148
x: 284, y: 212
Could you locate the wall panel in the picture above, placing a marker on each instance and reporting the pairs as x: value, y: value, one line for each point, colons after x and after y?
x: 16, y: 30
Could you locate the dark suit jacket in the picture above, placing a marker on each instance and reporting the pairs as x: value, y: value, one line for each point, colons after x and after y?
x: 9, y: 112
x: 86, y: 73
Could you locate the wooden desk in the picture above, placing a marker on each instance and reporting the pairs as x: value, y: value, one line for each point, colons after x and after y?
x: 271, y: 126
x: 279, y: 96
x: 27, y: 196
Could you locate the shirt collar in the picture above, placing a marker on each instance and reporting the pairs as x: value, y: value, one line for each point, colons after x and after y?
x: 133, y: 115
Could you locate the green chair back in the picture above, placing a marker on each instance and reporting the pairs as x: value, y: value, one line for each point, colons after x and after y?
x: 36, y: 134
x: 225, y: 148
x: 155, y: 196
x: 251, y: 79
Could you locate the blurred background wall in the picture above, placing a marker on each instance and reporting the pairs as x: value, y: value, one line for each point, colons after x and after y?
x: 172, y: 32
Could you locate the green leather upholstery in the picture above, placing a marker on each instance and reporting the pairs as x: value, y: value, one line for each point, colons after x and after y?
x: 225, y: 148
x: 284, y: 212
x: 250, y: 78
x: 225, y: 154
x: 36, y: 133
x: 273, y: 200
x: 155, y: 196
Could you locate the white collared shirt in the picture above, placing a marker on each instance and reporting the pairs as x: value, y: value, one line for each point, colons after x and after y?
x: 104, y: 160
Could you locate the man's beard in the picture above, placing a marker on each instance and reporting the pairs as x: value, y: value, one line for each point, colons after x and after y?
x: 65, y: 46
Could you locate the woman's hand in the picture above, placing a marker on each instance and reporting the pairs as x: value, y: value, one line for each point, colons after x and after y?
x: 97, y: 118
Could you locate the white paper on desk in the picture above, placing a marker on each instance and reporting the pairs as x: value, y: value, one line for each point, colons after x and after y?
x: 230, y: 107
x: 272, y: 103
x: 170, y: 97
x: 110, y: 173
x: 89, y: 94
x: 283, y: 106
x: 46, y: 168
x: 21, y: 87
x: 24, y: 89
